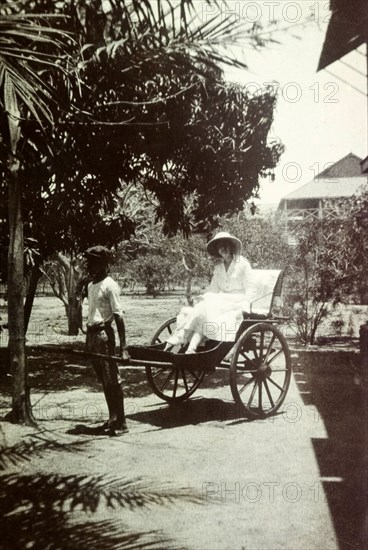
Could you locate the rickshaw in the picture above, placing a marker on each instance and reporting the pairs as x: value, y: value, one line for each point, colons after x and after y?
x: 258, y: 360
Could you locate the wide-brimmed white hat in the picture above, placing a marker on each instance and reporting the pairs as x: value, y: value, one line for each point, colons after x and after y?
x: 212, y: 245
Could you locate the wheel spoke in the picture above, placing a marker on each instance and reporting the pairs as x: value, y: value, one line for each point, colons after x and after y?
x: 252, y: 394
x: 246, y: 368
x: 255, y: 353
x: 269, y: 347
x: 158, y: 372
x: 167, y: 380
x: 243, y: 354
x: 243, y: 370
x: 279, y: 370
x: 261, y: 344
x: 184, y: 379
x: 275, y: 384
x: 260, y: 396
x: 245, y: 385
x: 175, y: 382
x: 274, y: 356
x: 268, y: 393
x: 248, y: 360
x: 194, y: 374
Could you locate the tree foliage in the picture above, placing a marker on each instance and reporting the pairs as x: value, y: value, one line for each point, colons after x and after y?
x: 149, y: 103
x: 358, y: 214
x: 86, y: 90
x: 149, y: 106
x: 263, y: 244
x: 172, y: 260
x: 323, y: 273
x: 27, y: 51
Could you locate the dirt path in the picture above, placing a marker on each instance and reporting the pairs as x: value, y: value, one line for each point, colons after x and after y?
x: 293, y: 481
x: 258, y: 481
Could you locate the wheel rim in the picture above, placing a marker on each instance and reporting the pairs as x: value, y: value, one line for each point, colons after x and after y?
x: 163, y: 333
x: 175, y: 383
x: 260, y: 370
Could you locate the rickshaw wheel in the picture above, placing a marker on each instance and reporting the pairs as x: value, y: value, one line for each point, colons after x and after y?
x: 172, y: 384
x: 260, y: 370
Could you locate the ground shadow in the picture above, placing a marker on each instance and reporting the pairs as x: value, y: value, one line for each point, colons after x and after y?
x: 326, y: 382
x: 56, y: 371
x: 194, y: 411
x: 38, y: 509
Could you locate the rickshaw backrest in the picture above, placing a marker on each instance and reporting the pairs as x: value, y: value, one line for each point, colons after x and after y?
x: 268, y: 287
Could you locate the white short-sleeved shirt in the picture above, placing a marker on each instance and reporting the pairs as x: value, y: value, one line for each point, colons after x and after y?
x: 103, y: 301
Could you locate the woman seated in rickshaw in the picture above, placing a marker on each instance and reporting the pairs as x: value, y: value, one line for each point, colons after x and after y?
x: 218, y: 313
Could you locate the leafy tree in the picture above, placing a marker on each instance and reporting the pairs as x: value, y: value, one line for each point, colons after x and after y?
x: 187, y: 159
x: 357, y: 213
x: 187, y: 259
x: 261, y: 237
x: 155, y: 110
x: 66, y: 276
x: 156, y: 260
x: 134, y: 61
x: 323, y: 273
x: 27, y: 48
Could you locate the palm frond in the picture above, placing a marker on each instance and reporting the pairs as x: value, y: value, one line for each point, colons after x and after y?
x: 46, y: 510
x: 27, y: 527
x: 87, y: 493
x: 34, y: 448
x: 28, y: 44
x: 173, y: 26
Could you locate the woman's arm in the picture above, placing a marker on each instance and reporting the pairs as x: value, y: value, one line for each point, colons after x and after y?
x: 249, y: 286
x: 215, y: 281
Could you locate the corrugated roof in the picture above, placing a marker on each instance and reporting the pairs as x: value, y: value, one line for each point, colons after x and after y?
x: 323, y: 188
x: 347, y: 167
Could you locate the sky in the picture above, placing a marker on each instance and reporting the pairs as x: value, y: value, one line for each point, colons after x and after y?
x: 318, y: 117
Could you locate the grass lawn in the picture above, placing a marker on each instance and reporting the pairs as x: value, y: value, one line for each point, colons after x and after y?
x: 142, y: 314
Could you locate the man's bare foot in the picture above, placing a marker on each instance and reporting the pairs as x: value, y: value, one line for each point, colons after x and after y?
x: 115, y: 431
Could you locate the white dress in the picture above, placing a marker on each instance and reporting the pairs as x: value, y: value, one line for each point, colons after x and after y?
x: 218, y: 314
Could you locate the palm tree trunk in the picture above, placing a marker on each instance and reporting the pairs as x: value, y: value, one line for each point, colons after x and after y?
x: 31, y: 293
x: 21, y: 404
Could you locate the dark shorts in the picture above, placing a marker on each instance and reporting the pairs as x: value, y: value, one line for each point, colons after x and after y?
x: 101, y: 339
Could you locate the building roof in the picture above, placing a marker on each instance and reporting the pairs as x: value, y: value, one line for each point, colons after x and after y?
x: 364, y: 165
x: 347, y: 29
x: 324, y: 189
x: 344, y: 178
x: 347, y: 167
